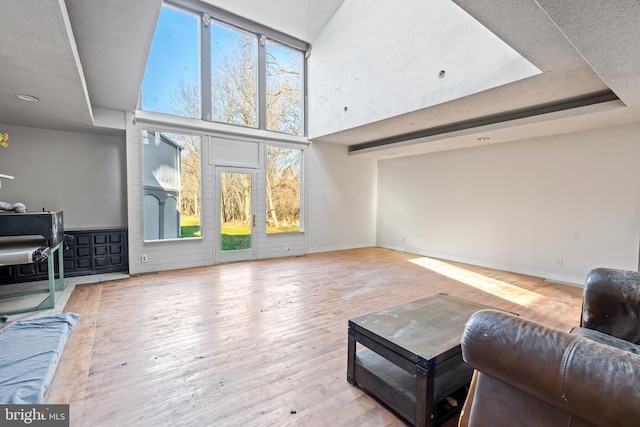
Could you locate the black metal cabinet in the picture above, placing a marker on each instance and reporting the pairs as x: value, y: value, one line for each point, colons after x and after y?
x: 86, y: 252
x: 23, y: 272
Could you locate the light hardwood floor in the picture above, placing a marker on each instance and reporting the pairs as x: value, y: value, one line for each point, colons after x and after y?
x: 260, y: 343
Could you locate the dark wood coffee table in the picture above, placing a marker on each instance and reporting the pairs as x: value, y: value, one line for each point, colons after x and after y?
x: 412, y: 361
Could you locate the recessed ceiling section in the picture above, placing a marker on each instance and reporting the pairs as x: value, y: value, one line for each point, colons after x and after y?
x: 114, y: 38
x: 39, y: 58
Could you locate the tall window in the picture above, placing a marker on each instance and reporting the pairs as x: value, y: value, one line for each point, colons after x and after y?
x: 171, y: 82
x: 252, y: 76
x: 171, y: 185
x: 284, y: 166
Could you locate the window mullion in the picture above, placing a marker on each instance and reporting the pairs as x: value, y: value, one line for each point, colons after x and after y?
x: 262, y: 83
x: 205, y: 68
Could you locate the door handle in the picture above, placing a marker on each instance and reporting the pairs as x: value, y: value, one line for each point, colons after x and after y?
x: 254, y: 220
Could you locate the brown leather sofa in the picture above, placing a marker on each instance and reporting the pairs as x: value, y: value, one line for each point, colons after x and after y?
x: 527, y: 374
x: 611, y: 303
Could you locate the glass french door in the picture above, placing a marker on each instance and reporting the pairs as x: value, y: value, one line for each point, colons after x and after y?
x: 236, y: 218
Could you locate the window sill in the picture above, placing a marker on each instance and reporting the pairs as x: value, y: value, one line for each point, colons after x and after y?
x: 189, y: 124
x: 185, y: 239
x: 284, y: 233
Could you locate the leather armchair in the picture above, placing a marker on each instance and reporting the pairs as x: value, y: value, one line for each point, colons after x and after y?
x: 611, y: 303
x: 528, y: 374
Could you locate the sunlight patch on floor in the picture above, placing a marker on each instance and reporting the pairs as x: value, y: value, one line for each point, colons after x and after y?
x: 495, y: 287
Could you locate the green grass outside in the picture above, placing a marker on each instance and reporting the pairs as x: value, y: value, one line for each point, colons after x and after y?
x: 235, y: 237
x: 234, y: 242
x: 189, y: 227
x: 190, y: 231
x: 236, y: 230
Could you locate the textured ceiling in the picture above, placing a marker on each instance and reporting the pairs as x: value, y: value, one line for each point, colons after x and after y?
x: 588, y: 53
x: 86, y: 65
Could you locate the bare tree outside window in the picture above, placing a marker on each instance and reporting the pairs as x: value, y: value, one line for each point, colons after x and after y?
x: 285, y: 89
x: 185, y: 99
x: 190, y: 201
x: 283, y: 189
x: 234, y: 71
x: 235, y: 211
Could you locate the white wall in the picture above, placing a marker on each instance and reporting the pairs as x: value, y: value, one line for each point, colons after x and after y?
x: 81, y: 174
x: 520, y: 206
x: 381, y: 59
x: 341, y: 199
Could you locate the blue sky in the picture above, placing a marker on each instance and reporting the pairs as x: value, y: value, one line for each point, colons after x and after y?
x: 174, y: 57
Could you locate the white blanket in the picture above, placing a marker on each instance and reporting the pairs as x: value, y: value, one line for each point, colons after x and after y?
x: 29, y: 354
x: 22, y: 249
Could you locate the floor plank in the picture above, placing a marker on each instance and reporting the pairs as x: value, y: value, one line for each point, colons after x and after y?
x: 260, y: 343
